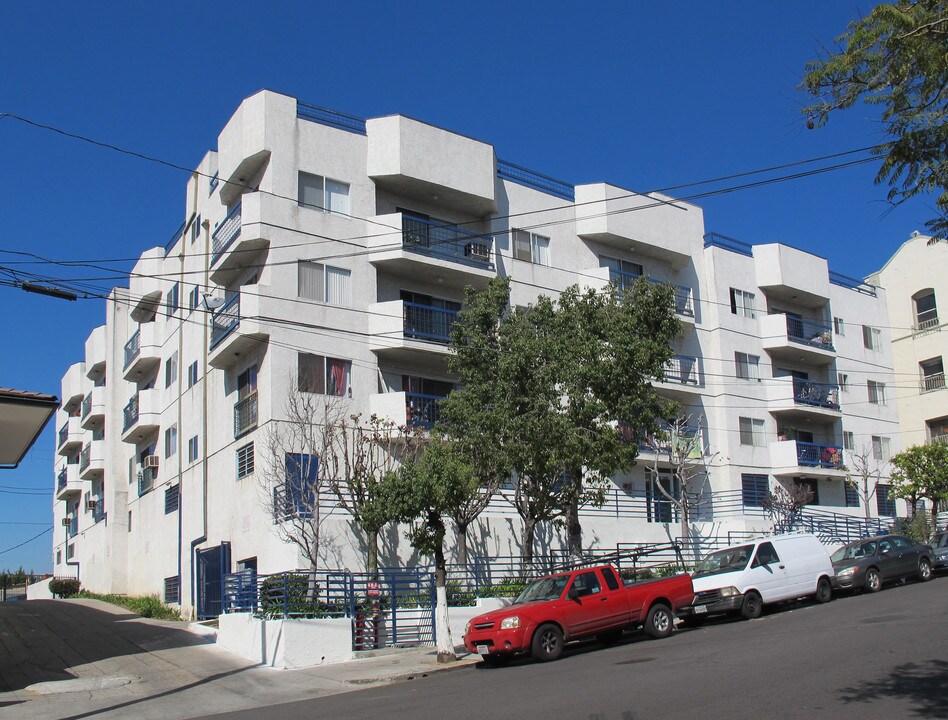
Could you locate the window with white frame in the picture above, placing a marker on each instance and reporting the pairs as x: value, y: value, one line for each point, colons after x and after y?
x: 742, y: 303
x: 748, y: 366
x: 876, y: 392
x: 530, y: 247
x: 196, y: 228
x: 171, y: 369
x: 880, y: 448
x: 871, y: 338
x: 194, y: 298
x: 622, y: 272
x: 842, y: 379
x: 324, y: 283
x: 324, y: 375
x: 849, y: 440
x: 193, y: 451
x: 245, y: 461
x: 172, y: 300
x: 192, y: 374
x: 322, y: 193
x: 752, y: 431
x: 171, y: 440
x: 926, y: 309
x: 839, y: 327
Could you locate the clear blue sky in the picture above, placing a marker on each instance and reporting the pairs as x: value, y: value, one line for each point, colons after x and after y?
x: 643, y: 95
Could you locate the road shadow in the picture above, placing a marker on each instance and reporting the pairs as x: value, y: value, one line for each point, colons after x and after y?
x: 924, y: 684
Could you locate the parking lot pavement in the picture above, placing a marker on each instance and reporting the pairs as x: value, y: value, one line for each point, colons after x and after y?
x: 71, y: 659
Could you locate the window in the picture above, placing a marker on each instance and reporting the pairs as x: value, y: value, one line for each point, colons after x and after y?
x: 321, y: 193
x: 193, y: 451
x: 852, y: 495
x: 742, y: 303
x: 871, y: 338
x: 324, y: 375
x: 587, y: 583
x: 172, y: 499
x: 171, y: 441
x: 172, y: 300
x: 766, y: 555
x: 926, y: 310
x: 173, y: 590
x: 70, y: 552
x: 622, y: 272
x: 298, y: 496
x: 660, y: 508
x: 880, y: 448
x: 849, y: 442
x: 59, y: 557
x: 192, y: 374
x: 839, y: 326
x: 842, y: 380
x: 811, y: 485
x: 754, y: 490
x: 752, y: 431
x: 612, y: 581
x: 933, y: 374
x: 324, y: 283
x: 129, y: 520
x: 748, y: 366
x: 876, y: 392
x: 885, y: 501
x: 530, y: 247
x: 194, y: 297
x: 245, y: 461
x: 171, y: 369
x: 196, y: 228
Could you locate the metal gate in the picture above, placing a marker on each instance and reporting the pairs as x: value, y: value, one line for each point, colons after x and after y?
x: 212, y: 565
x: 393, y: 608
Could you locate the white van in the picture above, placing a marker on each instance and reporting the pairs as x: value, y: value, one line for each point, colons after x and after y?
x: 743, y: 578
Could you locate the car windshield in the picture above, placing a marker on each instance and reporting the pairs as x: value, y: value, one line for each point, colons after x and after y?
x: 855, y: 551
x: 724, y: 561
x: 940, y: 540
x: 545, y: 589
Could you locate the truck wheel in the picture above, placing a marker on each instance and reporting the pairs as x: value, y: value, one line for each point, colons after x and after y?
x: 659, y: 622
x: 824, y: 591
x: 547, y: 643
x: 753, y: 606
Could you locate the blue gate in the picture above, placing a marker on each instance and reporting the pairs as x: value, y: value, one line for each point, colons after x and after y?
x: 393, y: 608
x: 212, y: 564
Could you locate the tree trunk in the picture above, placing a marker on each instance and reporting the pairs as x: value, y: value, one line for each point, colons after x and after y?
x: 460, y: 530
x: 445, y: 643
x: 574, y: 530
x: 372, y: 551
x: 690, y: 551
x: 526, y: 551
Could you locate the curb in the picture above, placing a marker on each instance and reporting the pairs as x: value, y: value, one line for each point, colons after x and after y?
x: 402, y: 677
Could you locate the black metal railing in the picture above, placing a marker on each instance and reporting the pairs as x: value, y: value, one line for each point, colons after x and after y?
x: 225, y: 320
x: 245, y: 414
x: 446, y: 242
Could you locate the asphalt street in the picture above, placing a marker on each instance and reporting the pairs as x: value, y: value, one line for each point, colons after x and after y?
x: 866, y: 656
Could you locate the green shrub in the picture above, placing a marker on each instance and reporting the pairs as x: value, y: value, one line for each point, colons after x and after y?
x: 149, y: 606
x: 64, y: 587
x: 508, y: 587
x: 918, y: 528
x: 291, y: 594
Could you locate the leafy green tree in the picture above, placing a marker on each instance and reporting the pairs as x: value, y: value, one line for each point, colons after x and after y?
x: 921, y: 471
x: 424, y: 492
x: 558, y: 394
x: 896, y: 58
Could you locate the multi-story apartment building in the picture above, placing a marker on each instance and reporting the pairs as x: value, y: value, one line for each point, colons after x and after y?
x: 914, y: 278
x: 327, y: 254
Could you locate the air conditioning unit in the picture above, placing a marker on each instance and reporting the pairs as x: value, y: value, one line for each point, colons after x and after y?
x: 91, y: 504
x: 150, y: 461
x: 66, y: 521
x: 477, y: 251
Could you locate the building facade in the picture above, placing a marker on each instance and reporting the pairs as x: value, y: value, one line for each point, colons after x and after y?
x: 328, y: 255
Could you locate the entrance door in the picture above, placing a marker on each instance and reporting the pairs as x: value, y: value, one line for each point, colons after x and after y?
x: 212, y: 565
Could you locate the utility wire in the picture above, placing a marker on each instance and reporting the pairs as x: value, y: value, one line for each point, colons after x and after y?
x: 2, y: 552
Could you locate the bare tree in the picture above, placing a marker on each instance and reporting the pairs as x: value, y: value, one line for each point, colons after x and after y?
x: 679, y: 471
x: 358, y: 456
x: 785, y: 504
x: 865, y: 470
x: 290, y: 482
x: 467, y: 511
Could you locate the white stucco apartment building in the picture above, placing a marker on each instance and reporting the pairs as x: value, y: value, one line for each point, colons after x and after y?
x: 340, y: 247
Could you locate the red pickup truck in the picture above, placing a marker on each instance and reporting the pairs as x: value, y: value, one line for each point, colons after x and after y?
x: 590, y: 601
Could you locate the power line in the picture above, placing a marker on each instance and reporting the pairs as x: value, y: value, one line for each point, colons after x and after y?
x: 2, y: 552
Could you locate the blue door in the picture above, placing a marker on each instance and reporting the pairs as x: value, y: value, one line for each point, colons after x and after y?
x: 212, y: 565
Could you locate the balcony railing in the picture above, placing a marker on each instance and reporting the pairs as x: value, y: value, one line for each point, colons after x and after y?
x: 816, y: 394
x: 85, y: 457
x: 668, y: 442
x: 225, y: 234
x: 132, y: 348
x: 425, y: 322
x: 815, y: 455
x: 447, y: 242
x: 245, y: 414
x: 682, y: 369
x: 130, y: 413
x: 810, y: 332
x: 538, y: 181
x: 146, y: 480
x: 684, y: 303
x: 933, y: 382
x: 422, y: 410
x: 86, y: 406
x: 926, y: 321
x: 63, y: 434
x: 73, y: 528
x: 98, y: 513
x: 225, y: 320
x: 61, y: 480
x: 938, y: 439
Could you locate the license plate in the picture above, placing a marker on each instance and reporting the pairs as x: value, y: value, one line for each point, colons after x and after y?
x: 483, y: 650
x: 700, y: 609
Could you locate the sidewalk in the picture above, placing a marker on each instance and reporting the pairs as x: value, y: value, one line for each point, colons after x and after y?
x: 71, y: 659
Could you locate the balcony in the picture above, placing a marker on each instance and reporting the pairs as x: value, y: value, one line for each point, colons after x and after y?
x: 797, y: 339
x: 141, y: 416
x: 242, y: 236
x: 74, y: 385
x: 93, y: 408
x: 933, y: 382
x: 405, y: 408
x: 142, y: 352
x: 684, y: 298
x: 803, y: 400
x: 794, y: 458
x: 792, y: 276
x: 92, y: 460
x: 411, y: 247
x: 668, y: 444
x: 245, y: 415
x: 146, y: 284
x: 68, y: 482
x: 70, y: 436
x: 237, y: 328
x: 410, y: 332
x: 96, y: 353
x: 683, y: 378
x: 146, y: 480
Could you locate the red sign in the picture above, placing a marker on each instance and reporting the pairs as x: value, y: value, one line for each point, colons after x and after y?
x: 373, y: 589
